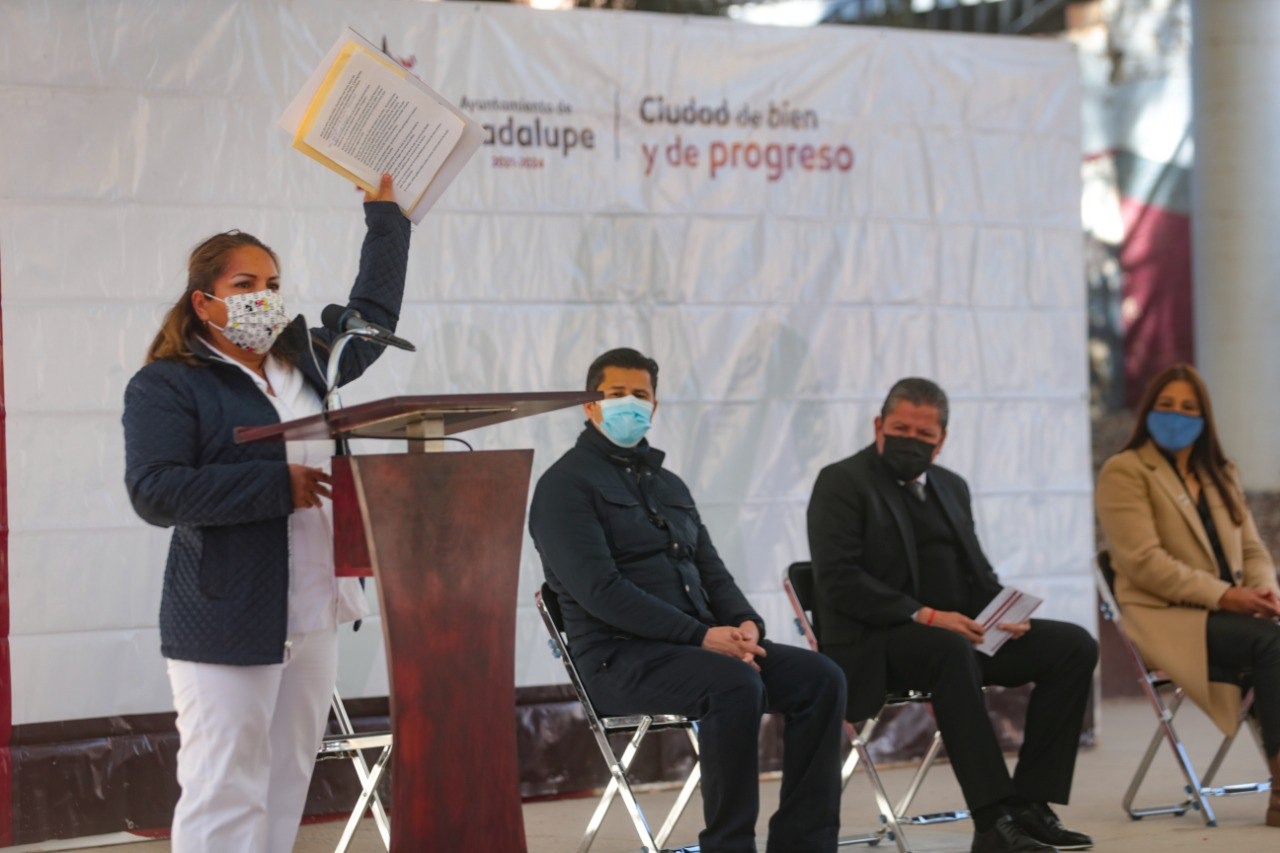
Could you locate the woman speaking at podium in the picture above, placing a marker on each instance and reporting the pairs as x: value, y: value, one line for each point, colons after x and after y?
x: 250, y: 605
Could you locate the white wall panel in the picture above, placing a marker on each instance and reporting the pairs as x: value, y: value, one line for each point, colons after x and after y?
x: 780, y: 302
x: 902, y: 188
x: 956, y: 335
x: 78, y: 674
x: 108, y: 566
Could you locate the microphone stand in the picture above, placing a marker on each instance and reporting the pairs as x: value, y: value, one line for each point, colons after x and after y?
x: 331, y: 398
x: 333, y: 401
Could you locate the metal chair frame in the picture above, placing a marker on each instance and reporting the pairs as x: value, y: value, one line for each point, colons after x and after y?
x: 897, y: 815
x: 1153, y: 682
x: 349, y: 744
x: 638, y: 726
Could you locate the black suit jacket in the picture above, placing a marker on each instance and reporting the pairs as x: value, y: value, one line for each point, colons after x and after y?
x: 866, y: 569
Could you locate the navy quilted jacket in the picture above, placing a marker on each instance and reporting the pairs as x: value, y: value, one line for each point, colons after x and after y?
x: 226, y: 581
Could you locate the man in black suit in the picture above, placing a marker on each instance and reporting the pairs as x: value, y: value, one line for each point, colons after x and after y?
x: 900, y: 577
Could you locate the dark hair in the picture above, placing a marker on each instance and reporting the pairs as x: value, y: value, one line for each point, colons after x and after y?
x: 622, y: 357
x: 208, y: 261
x: 920, y: 392
x: 1206, y: 452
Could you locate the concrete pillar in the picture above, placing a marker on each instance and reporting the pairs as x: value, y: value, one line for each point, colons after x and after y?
x: 1235, y: 59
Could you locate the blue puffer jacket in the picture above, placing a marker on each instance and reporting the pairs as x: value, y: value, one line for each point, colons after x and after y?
x: 226, y: 583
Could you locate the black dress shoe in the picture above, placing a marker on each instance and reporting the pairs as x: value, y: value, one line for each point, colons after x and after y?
x: 1039, y: 821
x: 1006, y: 836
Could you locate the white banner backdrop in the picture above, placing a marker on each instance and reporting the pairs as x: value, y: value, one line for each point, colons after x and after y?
x: 788, y: 220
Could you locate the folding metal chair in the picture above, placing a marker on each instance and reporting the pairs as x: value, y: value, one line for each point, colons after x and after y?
x: 1153, y: 682
x: 348, y: 743
x: 799, y: 585
x: 638, y: 726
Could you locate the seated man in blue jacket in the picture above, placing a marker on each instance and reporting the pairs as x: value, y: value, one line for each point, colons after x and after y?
x: 658, y: 626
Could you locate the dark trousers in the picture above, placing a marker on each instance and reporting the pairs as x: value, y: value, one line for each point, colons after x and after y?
x: 1244, y: 644
x: 728, y: 697
x: 1057, y: 657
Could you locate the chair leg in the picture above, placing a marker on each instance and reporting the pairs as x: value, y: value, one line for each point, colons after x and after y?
x: 370, y: 799
x: 855, y: 755
x: 677, y: 808
x: 1166, y: 731
x: 1194, y: 788
x: 363, y: 773
x: 1246, y: 721
x: 859, y: 754
x: 597, y: 816
x: 637, y: 817
x: 1212, y: 770
x: 1140, y: 775
x: 682, y: 800
x: 917, y: 779
x: 618, y: 785
x: 369, y: 792
x: 887, y: 815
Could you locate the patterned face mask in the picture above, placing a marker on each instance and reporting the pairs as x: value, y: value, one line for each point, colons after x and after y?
x: 254, y: 320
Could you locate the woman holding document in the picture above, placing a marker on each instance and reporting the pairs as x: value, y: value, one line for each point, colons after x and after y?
x: 1197, y: 585
x: 250, y: 605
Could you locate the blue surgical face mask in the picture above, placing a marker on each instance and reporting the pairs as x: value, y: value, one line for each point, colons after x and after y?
x: 625, y: 420
x: 1174, y: 431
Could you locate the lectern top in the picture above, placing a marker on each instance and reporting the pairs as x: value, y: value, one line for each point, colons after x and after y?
x: 401, y: 417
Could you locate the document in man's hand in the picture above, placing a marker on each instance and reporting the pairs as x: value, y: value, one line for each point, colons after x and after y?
x: 1011, y: 605
x: 362, y: 114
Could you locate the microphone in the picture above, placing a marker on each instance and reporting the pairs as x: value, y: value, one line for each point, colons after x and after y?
x: 340, y: 318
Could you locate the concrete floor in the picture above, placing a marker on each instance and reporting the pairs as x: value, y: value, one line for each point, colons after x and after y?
x: 1102, y: 775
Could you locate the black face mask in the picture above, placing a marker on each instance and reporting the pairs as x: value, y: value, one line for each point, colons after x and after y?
x: 907, y: 458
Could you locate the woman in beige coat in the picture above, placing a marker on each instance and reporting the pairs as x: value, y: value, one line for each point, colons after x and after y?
x: 1195, y: 582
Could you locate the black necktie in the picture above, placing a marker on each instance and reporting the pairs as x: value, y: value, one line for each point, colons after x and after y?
x: 916, y: 488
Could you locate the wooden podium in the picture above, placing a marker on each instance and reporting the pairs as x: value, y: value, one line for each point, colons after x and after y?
x: 441, y: 532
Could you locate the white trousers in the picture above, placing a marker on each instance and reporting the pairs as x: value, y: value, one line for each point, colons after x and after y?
x: 248, y: 737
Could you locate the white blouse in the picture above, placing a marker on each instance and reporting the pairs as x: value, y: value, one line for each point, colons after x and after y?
x: 318, y: 600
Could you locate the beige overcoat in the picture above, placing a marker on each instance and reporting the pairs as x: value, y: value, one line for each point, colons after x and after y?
x: 1167, y: 579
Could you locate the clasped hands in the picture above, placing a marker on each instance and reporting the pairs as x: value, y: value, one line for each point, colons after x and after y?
x: 1261, y: 603
x: 742, y: 642
x: 972, y: 631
